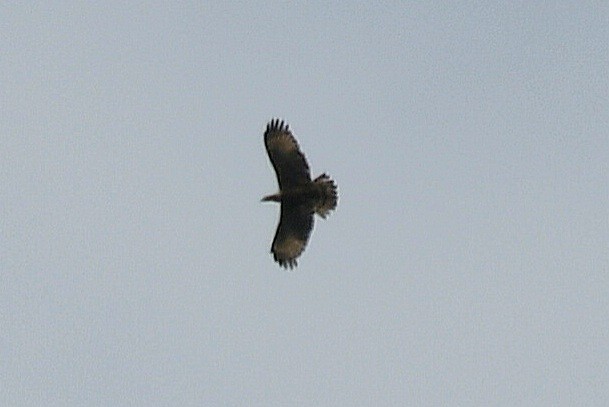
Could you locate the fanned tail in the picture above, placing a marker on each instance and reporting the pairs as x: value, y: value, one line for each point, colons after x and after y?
x: 329, y: 195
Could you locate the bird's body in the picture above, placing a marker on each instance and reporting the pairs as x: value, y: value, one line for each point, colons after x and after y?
x: 300, y: 197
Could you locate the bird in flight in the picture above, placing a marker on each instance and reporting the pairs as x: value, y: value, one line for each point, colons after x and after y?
x: 299, y: 196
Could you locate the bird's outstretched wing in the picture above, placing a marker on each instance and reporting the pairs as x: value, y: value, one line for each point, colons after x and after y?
x: 293, y: 231
x: 288, y: 161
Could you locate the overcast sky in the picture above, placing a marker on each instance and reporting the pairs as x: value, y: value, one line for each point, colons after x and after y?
x: 468, y: 260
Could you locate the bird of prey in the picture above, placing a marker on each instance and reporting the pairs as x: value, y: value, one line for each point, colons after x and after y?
x: 299, y: 196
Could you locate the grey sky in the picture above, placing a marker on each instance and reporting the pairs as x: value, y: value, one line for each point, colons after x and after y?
x: 467, y: 263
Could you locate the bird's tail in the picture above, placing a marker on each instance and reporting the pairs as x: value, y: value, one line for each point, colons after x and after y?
x: 329, y: 195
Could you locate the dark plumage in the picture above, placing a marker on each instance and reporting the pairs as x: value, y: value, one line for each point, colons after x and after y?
x: 300, y: 197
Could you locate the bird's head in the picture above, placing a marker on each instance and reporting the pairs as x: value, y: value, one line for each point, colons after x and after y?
x: 272, y: 198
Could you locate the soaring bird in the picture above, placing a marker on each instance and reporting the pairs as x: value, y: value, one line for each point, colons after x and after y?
x: 299, y: 196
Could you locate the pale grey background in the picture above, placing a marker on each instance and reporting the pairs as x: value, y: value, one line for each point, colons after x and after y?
x: 467, y: 263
